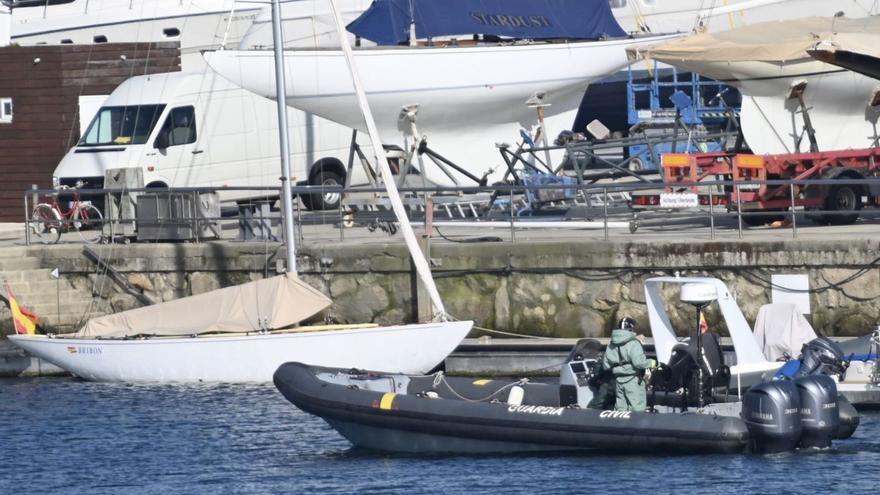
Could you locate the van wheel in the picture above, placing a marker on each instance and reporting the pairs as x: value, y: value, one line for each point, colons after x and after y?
x: 324, y: 200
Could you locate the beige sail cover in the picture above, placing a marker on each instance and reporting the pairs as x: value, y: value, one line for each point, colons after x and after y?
x: 775, y: 41
x: 271, y: 303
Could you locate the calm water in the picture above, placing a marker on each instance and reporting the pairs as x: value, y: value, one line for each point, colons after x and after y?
x: 67, y: 436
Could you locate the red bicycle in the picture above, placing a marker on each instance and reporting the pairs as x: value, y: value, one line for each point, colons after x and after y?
x: 49, y: 221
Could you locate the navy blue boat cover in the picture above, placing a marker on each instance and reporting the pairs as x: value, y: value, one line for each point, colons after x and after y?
x: 386, y: 22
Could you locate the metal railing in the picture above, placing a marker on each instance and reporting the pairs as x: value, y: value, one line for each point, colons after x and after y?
x: 579, y: 207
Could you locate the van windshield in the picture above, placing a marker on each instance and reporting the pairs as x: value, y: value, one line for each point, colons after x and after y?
x: 122, y: 125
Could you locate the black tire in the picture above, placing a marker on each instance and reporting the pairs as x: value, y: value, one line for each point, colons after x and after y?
x: 843, y: 198
x: 45, y: 224
x: 760, y: 220
x: 326, y: 200
x: 89, y: 224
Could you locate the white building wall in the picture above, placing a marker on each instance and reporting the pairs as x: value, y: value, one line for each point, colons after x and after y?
x: 5, y: 25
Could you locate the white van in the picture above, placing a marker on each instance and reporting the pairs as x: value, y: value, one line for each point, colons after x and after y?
x: 199, y: 130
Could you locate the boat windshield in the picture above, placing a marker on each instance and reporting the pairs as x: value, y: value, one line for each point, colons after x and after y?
x: 122, y: 125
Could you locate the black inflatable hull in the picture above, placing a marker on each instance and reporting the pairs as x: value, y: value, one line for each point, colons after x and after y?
x: 849, y: 418
x: 413, y: 424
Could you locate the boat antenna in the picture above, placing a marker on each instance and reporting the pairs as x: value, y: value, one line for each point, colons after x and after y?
x: 418, y: 258
x: 281, y: 100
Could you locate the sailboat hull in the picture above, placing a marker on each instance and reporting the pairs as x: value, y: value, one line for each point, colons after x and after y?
x: 469, y: 98
x: 249, y: 358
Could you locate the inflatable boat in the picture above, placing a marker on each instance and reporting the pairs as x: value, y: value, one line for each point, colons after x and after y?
x: 442, y: 414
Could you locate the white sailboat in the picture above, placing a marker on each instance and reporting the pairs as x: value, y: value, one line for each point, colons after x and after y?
x: 237, y: 334
x: 468, y: 96
x: 771, y: 65
x: 242, y: 333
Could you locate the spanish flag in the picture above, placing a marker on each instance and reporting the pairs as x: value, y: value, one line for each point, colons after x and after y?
x: 24, y: 320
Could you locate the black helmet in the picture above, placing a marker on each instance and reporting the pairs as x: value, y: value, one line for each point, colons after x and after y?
x: 627, y: 323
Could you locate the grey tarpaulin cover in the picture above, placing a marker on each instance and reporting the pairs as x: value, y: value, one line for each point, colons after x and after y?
x: 781, y: 331
x: 271, y: 303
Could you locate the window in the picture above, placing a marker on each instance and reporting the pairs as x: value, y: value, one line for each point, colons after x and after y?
x: 100, y: 39
x: 171, y: 32
x: 5, y: 110
x: 122, y: 125
x: 179, y: 128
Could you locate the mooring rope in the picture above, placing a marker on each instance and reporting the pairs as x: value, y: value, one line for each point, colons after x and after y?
x: 440, y: 378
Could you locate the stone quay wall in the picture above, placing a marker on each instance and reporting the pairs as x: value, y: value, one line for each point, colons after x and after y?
x: 560, y: 289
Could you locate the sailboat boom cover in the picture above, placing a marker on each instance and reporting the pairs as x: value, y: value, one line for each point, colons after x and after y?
x: 266, y: 304
x: 387, y: 22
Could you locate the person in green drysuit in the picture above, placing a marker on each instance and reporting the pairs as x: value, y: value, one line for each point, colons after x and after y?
x: 626, y: 359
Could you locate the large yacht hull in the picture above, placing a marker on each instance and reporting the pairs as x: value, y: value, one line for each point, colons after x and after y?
x: 469, y: 98
x: 248, y: 358
x: 197, y: 24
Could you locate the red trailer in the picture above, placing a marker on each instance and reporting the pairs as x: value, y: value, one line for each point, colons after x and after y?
x: 683, y: 174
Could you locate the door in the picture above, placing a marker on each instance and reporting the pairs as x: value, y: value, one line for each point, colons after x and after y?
x: 176, y: 148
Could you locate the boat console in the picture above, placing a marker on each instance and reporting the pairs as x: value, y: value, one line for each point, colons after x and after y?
x: 576, y: 379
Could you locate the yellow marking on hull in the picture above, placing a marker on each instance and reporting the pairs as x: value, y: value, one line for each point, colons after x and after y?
x: 482, y: 381
x: 387, y: 400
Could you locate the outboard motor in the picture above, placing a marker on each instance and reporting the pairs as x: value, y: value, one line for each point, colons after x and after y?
x: 822, y: 356
x: 820, y: 418
x: 771, y: 411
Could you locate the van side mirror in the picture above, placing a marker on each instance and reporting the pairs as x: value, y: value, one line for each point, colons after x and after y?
x: 161, y: 141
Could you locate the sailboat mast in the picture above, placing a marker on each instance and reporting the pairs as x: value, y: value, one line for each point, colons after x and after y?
x: 281, y: 100
x: 421, y: 264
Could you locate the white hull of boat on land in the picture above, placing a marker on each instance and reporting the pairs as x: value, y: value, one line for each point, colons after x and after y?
x: 249, y: 358
x: 765, y: 62
x: 469, y: 98
x: 197, y: 24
